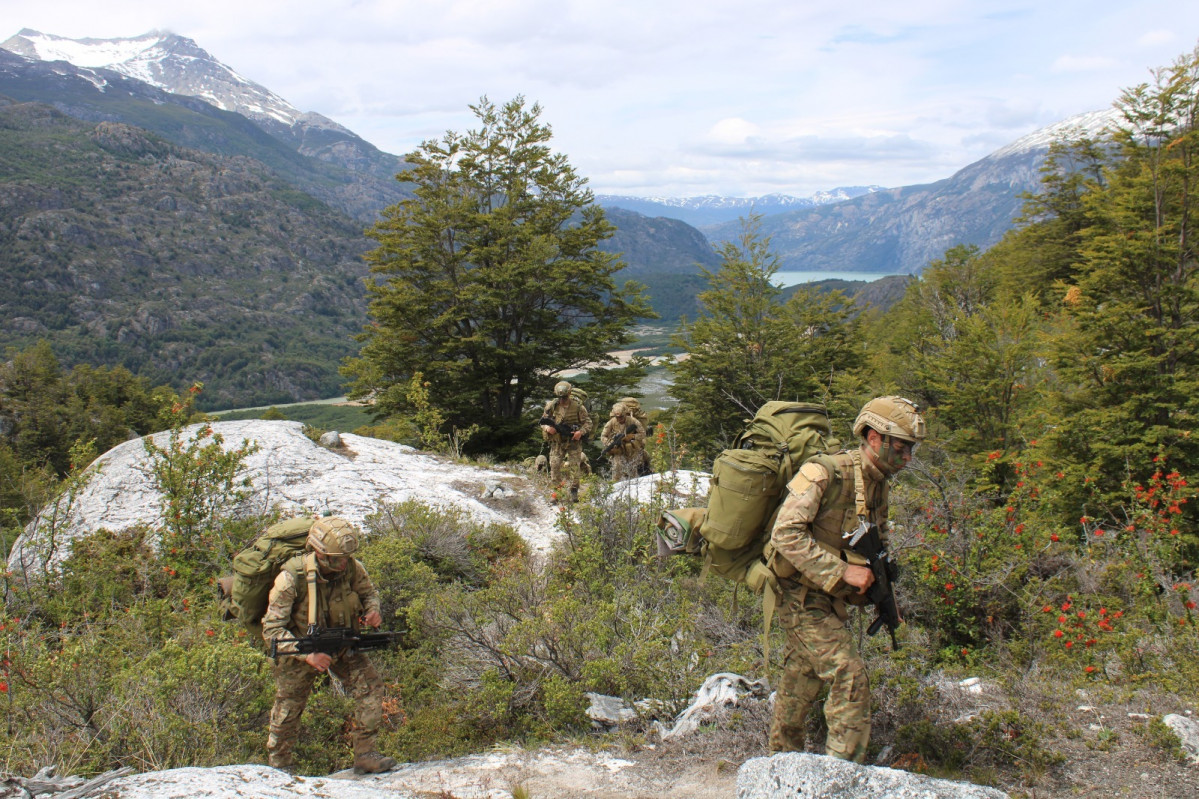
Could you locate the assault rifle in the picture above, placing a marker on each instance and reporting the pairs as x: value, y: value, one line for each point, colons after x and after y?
x: 564, y: 430
x: 333, y: 640
x: 630, y: 432
x: 867, y: 542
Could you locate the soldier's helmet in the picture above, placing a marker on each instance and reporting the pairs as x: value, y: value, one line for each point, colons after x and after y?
x: 333, y: 537
x: 562, y: 389
x: 619, y: 410
x: 891, y: 416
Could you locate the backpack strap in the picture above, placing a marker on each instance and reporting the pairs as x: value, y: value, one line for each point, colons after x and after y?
x: 310, y: 574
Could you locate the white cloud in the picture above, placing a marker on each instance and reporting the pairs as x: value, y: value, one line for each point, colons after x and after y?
x: 682, y: 96
x: 732, y: 131
x: 1071, y: 63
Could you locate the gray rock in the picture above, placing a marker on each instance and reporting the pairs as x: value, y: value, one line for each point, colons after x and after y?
x: 794, y: 775
x: 721, y: 690
x: 1187, y: 731
x: 608, y: 711
x: 332, y: 439
x: 288, y: 472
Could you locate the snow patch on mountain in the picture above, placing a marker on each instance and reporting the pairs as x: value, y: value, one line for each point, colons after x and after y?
x: 714, y: 201
x: 169, y: 62
x: 1092, y: 124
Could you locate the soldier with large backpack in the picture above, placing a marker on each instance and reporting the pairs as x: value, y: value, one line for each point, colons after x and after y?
x: 831, y: 497
x: 564, y: 423
x: 322, y: 587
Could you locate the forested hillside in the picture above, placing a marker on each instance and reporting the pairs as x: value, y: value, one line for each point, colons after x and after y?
x: 122, y: 248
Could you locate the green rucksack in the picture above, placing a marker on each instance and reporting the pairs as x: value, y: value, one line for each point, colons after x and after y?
x: 255, y: 568
x: 749, y: 482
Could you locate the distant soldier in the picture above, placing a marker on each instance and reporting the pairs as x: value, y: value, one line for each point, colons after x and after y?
x: 623, y: 441
x: 564, y: 422
x: 633, y: 406
x: 325, y: 585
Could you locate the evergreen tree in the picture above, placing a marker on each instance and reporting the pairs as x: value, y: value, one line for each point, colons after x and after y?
x: 747, y: 348
x: 962, y: 349
x: 1132, y: 359
x: 489, y: 281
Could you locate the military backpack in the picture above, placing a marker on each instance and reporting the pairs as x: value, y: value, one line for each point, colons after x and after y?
x: 246, y: 592
x: 749, y: 482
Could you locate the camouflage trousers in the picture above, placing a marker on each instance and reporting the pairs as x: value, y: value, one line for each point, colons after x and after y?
x: 568, y: 456
x: 293, y: 684
x: 624, y: 466
x: 820, y: 652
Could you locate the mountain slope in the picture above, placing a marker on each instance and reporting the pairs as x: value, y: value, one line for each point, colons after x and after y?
x: 120, y: 247
x: 900, y: 230
x: 342, y: 169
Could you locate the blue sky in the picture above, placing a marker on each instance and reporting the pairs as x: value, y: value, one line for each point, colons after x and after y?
x: 681, y: 98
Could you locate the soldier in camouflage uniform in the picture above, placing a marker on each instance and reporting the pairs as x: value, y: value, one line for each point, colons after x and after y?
x: 566, y: 410
x: 343, y: 593
x: 625, y: 458
x: 818, y: 575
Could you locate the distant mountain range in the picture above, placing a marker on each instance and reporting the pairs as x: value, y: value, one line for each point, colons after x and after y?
x: 712, y: 209
x: 197, y: 222
x: 898, y: 231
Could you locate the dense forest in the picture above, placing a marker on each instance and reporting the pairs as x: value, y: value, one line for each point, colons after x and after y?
x: 1047, y: 534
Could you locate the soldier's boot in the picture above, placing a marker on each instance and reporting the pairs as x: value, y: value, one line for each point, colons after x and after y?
x: 373, y: 763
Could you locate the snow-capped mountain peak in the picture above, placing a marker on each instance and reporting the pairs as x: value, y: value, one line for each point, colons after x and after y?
x: 1092, y: 124
x: 171, y: 62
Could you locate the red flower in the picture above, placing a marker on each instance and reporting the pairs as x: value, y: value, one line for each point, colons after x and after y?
x: 1082, y: 615
x: 1190, y: 605
x: 1066, y: 606
x: 1053, y: 537
x: 1069, y: 645
x: 1047, y: 609
x: 948, y: 586
x: 1019, y: 529
x: 209, y: 632
x: 1090, y: 669
x: 3, y: 687
x: 1058, y: 633
x: 1061, y: 619
x: 1098, y: 533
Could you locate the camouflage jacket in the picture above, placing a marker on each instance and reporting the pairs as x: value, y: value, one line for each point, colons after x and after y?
x: 340, y: 601
x: 807, y: 534
x: 575, y: 414
x: 615, y: 428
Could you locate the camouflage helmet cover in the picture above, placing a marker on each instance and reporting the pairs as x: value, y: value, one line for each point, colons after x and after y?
x: 619, y: 410
x: 333, y: 536
x: 891, y: 416
x: 562, y: 389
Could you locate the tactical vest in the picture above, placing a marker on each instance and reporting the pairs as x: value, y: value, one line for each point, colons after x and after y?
x: 846, y: 499
x: 572, y: 415
x: 337, y: 604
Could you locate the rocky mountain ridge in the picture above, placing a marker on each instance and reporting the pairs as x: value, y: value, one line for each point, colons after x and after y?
x: 900, y: 230
x: 178, y: 66
x: 714, y: 209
